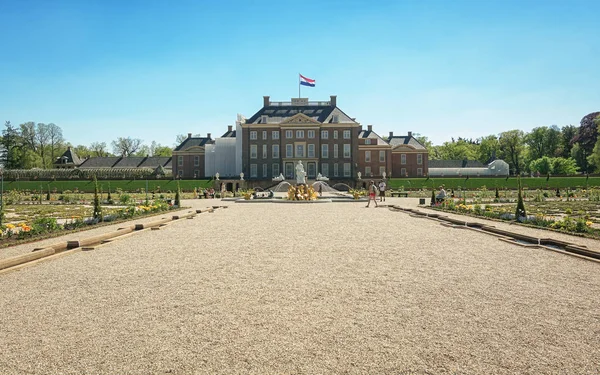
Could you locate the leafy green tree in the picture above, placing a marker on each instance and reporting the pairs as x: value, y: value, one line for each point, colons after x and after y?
x: 98, y: 149
x: 587, y: 136
x: 126, y: 146
x: 542, y: 165
x: 564, y: 166
x: 568, y: 132
x: 461, y: 149
x: 543, y: 141
x: 488, y: 148
x: 594, y: 158
x: 12, y: 144
x: 512, y: 149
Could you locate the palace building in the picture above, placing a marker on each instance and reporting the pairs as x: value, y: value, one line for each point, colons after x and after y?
x: 318, y: 133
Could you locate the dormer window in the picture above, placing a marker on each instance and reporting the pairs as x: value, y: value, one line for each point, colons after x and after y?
x: 264, y: 119
x: 335, y: 119
x: 367, y: 141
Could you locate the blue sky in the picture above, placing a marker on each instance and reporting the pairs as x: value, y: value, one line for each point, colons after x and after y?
x: 154, y: 69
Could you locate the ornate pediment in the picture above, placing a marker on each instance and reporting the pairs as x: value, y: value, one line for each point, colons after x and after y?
x: 300, y: 119
x: 403, y: 147
x: 194, y: 149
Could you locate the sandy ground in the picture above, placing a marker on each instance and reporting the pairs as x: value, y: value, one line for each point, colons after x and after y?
x: 303, y: 289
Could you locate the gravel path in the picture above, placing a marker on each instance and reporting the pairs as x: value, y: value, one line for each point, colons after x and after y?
x: 303, y: 289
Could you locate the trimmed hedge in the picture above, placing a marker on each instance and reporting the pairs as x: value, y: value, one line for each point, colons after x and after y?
x: 87, y: 186
x: 493, y: 182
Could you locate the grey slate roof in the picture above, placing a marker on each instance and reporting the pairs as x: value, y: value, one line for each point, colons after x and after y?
x: 405, y: 140
x: 318, y: 112
x: 455, y: 164
x: 100, y: 162
x: 71, y: 158
x: 155, y: 161
x: 129, y: 162
x: 193, y: 141
x: 372, y: 135
x: 229, y: 134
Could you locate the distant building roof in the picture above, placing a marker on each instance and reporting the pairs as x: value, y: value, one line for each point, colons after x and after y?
x: 229, y: 134
x: 455, y: 164
x: 370, y: 134
x: 193, y: 141
x: 155, y: 161
x: 321, y: 111
x: 129, y: 162
x: 405, y: 140
x: 69, y: 157
x: 100, y: 162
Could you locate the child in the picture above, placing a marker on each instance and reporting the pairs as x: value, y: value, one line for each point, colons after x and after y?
x: 372, y: 193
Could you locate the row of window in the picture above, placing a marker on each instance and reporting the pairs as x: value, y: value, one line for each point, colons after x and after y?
x: 368, y: 156
x: 419, y: 159
x: 196, y: 161
x: 311, y: 171
x: 289, y: 134
x: 301, y: 150
x: 368, y: 171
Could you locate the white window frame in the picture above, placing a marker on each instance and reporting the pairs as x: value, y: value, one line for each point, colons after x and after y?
x: 310, y: 150
x: 402, y: 172
x: 368, y: 141
x: 254, y: 170
x: 347, y: 170
x: 367, y: 156
x: 335, y: 119
x: 264, y: 135
x: 336, y: 151
x: 419, y: 172
x: 347, y: 151
x: 335, y: 134
x: 253, y: 151
x: 275, y: 169
x: 265, y: 170
x: 299, y: 134
x: 275, y: 151
x: 196, y: 160
x: 275, y: 134
x: 253, y: 135
x: 311, y: 134
x: 264, y: 152
x: 325, y: 151
x: 289, y: 134
x: 180, y: 161
x: 419, y: 159
x: 336, y: 170
x: 289, y: 150
x: 264, y: 119
x: 403, y: 159
x: 325, y: 169
x: 347, y: 134
x: 324, y: 134
x: 300, y: 147
x: 382, y: 156
x: 368, y: 171
x: 381, y: 170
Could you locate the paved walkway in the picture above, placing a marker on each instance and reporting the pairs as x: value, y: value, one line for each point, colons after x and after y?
x: 303, y: 289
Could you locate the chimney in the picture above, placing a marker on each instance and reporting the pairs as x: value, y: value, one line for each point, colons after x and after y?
x: 208, y: 135
x: 266, y: 101
x: 189, y: 135
x: 410, y: 134
x: 229, y: 128
x: 391, y: 134
x: 333, y: 100
x: 370, y: 128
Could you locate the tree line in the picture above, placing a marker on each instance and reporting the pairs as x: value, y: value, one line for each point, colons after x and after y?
x: 37, y: 145
x: 544, y: 150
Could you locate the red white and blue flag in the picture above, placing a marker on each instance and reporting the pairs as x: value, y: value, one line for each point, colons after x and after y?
x: 307, y: 81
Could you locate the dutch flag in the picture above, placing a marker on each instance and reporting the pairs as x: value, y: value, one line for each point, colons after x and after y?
x: 307, y: 81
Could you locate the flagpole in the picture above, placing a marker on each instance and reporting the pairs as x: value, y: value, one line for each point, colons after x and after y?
x: 298, y: 85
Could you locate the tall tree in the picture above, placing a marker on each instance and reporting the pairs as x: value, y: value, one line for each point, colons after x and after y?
x: 488, y: 148
x: 28, y: 134
x: 41, y: 138
x: 11, y: 143
x: 98, y: 149
x: 568, y: 132
x: 587, y: 134
x: 56, y: 140
x: 511, y: 147
x: 126, y: 146
x: 462, y: 149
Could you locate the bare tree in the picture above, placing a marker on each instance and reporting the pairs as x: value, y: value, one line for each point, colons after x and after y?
x: 179, y: 139
x: 28, y: 135
x: 99, y: 149
x: 55, y: 137
x: 126, y: 146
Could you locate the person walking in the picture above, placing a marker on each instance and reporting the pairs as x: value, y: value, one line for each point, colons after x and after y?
x: 382, y: 187
x: 372, y: 193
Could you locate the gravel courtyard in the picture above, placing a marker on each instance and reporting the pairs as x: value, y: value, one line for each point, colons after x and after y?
x: 303, y: 289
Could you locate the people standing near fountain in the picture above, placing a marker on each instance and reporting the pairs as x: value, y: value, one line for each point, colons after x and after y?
x: 372, y: 193
x: 382, y: 191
